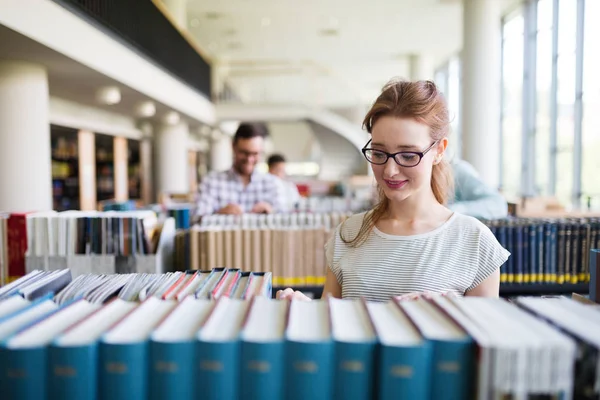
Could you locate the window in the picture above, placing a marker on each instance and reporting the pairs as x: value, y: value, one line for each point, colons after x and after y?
x: 565, y: 124
x: 512, y: 101
x: 543, y: 99
x: 591, y: 106
x: 448, y: 80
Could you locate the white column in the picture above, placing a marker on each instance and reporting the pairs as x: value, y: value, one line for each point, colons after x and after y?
x: 171, y: 150
x: 178, y: 9
x: 25, y: 174
x: 481, y: 87
x: 221, y: 152
x: 421, y: 67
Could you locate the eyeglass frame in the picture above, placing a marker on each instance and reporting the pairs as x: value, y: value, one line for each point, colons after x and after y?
x: 421, y: 154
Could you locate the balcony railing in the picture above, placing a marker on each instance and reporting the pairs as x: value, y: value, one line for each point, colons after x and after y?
x: 140, y: 25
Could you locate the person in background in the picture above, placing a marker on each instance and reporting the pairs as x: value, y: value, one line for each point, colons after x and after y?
x: 276, y: 163
x: 242, y: 189
x: 474, y: 197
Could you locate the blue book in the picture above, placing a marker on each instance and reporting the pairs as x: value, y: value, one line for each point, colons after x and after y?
x: 309, y: 351
x: 218, y: 351
x: 405, y: 356
x: 511, y: 268
x: 518, y: 246
x: 73, y: 355
x: 355, y: 344
x: 453, y: 364
x: 124, y: 353
x: 172, y: 350
x: 24, y: 356
x: 533, y: 253
x: 263, y: 350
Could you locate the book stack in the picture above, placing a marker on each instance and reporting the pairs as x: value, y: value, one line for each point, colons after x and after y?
x: 547, y: 250
x: 291, y: 246
x: 231, y: 348
x: 92, y: 242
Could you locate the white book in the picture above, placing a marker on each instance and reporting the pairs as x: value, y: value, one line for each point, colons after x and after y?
x: 350, y: 321
x: 27, y: 316
x: 266, y: 321
x: 225, y: 322
x: 92, y: 328
x: 12, y: 304
x: 184, y: 323
x: 138, y: 325
x: 45, y: 331
x: 309, y: 321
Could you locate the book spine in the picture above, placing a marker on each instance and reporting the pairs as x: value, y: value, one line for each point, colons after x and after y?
x: 123, y: 371
x: 405, y: 370
x: 172, y: 370
x: 17, y: 245
x: 73, y: 372
x: 308, y: 375
x: 23, y: 374
x: 354, y: 364
x: 262, y: 366
x: 218, y: 371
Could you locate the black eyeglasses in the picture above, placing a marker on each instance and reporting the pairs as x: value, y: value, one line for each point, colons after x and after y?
x: 402, y: 158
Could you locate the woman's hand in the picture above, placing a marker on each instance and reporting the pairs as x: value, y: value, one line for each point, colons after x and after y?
x: 292, y: 295
x: 426, y: 294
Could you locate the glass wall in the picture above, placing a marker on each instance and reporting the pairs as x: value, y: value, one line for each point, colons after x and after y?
x: 590, y: 179
x: 448, y: 80
x: 512, y: 103
x: 543, y: 96
x: 554, y: 101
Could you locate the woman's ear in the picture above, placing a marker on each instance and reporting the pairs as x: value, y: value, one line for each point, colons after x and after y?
x: 441, y: 148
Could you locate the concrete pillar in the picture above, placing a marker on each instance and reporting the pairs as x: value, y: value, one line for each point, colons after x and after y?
x: 25, y: 151
x: 178, y: 9
x: 421, y: 67
x: 171, y: 150
x: 221, y: 152
x: 481, y: 87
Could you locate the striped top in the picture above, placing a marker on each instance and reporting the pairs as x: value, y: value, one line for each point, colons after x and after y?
x: 455, y: 257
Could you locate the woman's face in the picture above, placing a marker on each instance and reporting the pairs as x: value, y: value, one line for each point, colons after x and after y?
x: 394, y: 135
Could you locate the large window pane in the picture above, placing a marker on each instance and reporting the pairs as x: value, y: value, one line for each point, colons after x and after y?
x: 567, y: 24
x: 543, y: 89
x: 591, y: 105
x: 512, y: 94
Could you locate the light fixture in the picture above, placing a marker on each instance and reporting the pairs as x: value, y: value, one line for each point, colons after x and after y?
x: 195, y: 23
x: 108, y: 95
x: 146, y: 109
x: 266, y: 21
x: 171, y: 118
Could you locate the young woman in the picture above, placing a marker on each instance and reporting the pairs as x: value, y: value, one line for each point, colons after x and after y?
x: 410, y: 244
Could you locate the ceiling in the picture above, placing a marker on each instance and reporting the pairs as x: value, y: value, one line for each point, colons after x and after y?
x: 324, y: 53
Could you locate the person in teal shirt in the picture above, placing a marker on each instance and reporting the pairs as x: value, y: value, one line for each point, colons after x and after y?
x: 473, y: 196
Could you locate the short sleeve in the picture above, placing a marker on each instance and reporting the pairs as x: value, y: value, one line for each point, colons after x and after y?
x: 491, y: 256
x: 330, y: 256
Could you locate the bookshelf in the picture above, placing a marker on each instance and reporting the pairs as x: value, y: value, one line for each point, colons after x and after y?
x: 65, y: 168
x: 506, y: 290
x: 105, y: 171
x: 134, y: 169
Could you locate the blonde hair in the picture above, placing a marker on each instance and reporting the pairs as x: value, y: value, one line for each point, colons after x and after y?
x: 423, y: 102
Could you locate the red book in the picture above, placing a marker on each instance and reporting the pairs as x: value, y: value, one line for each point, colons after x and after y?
x: 17, y: 245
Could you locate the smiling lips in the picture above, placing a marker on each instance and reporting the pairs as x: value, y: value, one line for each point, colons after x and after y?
x: 395, y: 184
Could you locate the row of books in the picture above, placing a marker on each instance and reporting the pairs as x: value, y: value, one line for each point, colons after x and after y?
x: 213, y: 284
x: 291, y: 246
x: 229, y: 349
x: 91, y: 232
x: 547, y: 250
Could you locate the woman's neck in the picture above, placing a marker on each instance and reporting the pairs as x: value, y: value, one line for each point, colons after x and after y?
x: 418, y: 206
